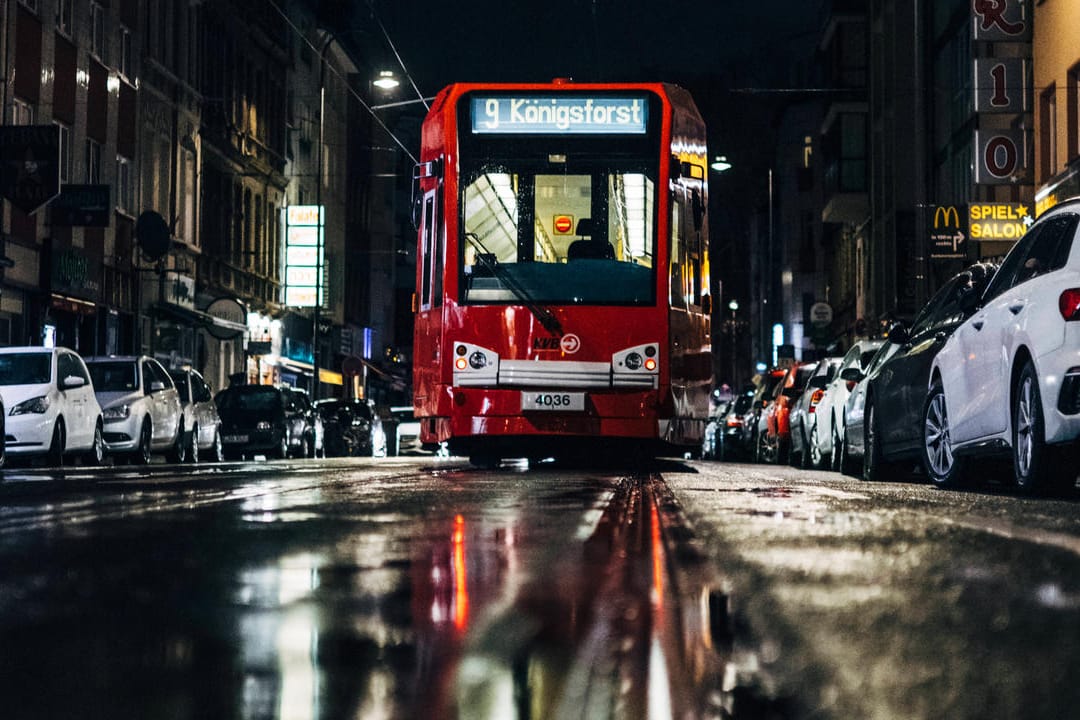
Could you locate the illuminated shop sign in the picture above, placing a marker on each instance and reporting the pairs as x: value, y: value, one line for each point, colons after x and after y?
x: 559, y: 114
x: 303, y: 255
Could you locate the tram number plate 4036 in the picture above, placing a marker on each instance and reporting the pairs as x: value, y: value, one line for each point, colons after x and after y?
x: 559, y: 401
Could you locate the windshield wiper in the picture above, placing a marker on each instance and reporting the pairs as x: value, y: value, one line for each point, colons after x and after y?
x: 488, y: 260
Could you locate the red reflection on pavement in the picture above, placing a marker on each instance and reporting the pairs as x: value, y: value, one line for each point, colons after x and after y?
x: 461, y: 584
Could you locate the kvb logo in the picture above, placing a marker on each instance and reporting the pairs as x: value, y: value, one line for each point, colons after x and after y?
x: 568, y: 343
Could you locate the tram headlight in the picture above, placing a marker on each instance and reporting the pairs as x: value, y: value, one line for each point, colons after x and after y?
x: 650, y: 364
x: 461, y: 363
x: 634, y: 361
x: 478, y: 360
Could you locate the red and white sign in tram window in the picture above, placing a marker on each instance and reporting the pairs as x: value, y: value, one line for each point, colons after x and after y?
x: 563, y: 224
x: 1002, y: 89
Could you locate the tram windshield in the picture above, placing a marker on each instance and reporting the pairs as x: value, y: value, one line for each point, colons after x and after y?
x: 559, y: 233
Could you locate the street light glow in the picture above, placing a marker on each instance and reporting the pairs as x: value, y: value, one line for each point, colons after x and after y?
x: 386, y: 80
x: 720, y: 163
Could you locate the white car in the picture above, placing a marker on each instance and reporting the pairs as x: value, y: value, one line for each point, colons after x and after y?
x: 827, y: 435
x: 202, y: 424
x: 50, y: 403
x: 140, y: 406
x: 407, y: 431
x: 1008, y: 379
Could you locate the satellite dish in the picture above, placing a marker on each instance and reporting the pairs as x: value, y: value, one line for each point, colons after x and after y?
x: 153, y: 234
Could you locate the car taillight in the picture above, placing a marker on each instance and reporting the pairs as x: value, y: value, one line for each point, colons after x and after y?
x: 734, y: 422
x: 1069, y: 304
x: 815, y: 399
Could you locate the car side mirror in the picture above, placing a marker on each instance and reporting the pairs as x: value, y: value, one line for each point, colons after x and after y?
x: 71, y: 382
x: 851, y: 374
x: 156, y: 386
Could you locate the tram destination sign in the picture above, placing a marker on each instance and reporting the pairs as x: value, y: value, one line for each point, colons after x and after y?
x: 559, y: 114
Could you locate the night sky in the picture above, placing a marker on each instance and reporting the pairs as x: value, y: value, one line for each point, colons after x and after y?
x: 741, y: 43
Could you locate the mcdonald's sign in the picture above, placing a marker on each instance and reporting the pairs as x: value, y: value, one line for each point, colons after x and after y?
x: 948, y: 233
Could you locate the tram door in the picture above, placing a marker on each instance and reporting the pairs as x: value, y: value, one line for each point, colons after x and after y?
x: 427, y: 340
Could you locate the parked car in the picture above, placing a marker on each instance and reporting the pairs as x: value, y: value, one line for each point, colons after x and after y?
x: 306, y: 434
x: 828, y: 432
x: 729, y: 433
x: 774, y: 444
x: 764, y: 384
x: 201, y: 422
x: 854, y: 411
x: 804, y: 413
x: 50, y: 407
x: 351, y: 428
x: 254, y: 421
x: 1009, y: 376
x: 884, y: 425
x: 406, y: 430
x: 709, y: 441
x: 140, y: 406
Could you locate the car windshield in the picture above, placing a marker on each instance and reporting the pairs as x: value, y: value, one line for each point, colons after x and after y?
x: 583, y: 233
x: 25, y: 368
x: 113, y: 376
x: 254, y: 399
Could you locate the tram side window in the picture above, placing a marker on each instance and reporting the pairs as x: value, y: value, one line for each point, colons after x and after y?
x: 677, y: 259
x: 429, y: 232
x: 438, y: 234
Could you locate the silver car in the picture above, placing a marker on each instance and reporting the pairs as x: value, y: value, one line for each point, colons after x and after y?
x: 202, y: 424
x: 140, y: 406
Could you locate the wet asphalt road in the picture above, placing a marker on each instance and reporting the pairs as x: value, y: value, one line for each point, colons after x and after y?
x: 407, y: 588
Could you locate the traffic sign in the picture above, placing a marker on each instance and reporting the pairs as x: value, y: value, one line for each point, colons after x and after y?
x: 29, y: 165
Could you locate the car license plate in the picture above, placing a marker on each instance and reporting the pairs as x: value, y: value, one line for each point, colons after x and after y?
x: 234, y: 439
x: 559, y: 401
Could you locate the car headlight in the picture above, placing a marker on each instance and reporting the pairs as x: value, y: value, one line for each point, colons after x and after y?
x: 262, y: 425
x: 116, y: 413
x: 36, y: 406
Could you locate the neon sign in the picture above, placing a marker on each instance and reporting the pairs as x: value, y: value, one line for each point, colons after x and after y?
x: 559, y: 114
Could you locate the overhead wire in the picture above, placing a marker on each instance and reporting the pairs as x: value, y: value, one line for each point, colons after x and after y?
x: 420, y: 95
x: 352, y: 91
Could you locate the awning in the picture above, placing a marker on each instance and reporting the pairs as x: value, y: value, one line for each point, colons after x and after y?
x: 193, y: 317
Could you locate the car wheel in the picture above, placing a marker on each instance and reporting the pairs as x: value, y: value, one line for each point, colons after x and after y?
x: 1033, y: 462
x: 836, y: 460
x: 96, y: 454
x: 193, y: 446
x: 55, y: 456
x: 3, y: 442
x: 942, y: 467
x: 141, y: 456
x: 282, y: 450
x: 306, y: 447
x: 817, y: 460
x: 178, y: 451
x: 874, y: 465
x: 805, y: 455
x: 217, y: 450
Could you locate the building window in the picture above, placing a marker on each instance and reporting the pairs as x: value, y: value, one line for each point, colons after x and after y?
x: 124, y: 184
x: 1048, y: 126
x: 97, y: 31
x: 93, y: 162
x: 126, y: 59
x: 63, y: 17
x: 65, y: 153
x: 22, y: 113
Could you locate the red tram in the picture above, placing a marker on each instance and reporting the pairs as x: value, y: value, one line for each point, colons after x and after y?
x: 562, y: 295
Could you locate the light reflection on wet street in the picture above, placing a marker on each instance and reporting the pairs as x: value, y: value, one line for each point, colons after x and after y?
x: 337, y: 590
